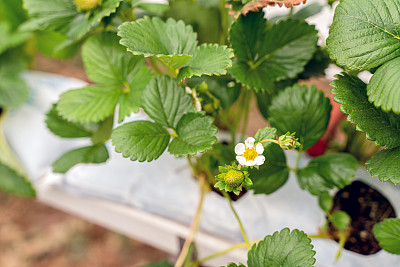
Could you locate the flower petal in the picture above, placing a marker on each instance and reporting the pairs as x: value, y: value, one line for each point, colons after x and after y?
x: 249, y: 163
x: 259, y: 148
x: 259, y: 160
x: 241, y: 160
x: 240, y: 148
x: 250, y: 142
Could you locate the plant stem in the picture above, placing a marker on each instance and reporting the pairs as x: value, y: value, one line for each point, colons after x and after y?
x: 192, y: 165
x: 296, y: 167
x: 246, y: 240
x: 269, y: 140
x: 223, y: 252
x: 195, y: 223
x: 316, y: 236
x: 342, y: 241
x: 290, y: 15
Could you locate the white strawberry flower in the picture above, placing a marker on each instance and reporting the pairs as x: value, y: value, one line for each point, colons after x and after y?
x: 248, y: 154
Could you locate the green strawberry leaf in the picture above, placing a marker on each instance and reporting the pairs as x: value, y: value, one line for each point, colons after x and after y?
x: 107, y: 62
x: 49, y: 15
x: 386, y: 165
x: 195, y: 134
x: 207, y: 60
x: 11, y: 38
x: 205, y: 20
x: 265, y: 133
x: 268, y: 54
x: 273, y: 174
x: 63, y: 128
x: 365, y: 33
x: 63, y: 16
x: 166, y: 102
x: 90, y: 154
x: 13, y: 90
x: 156, y: 9
x: 327, y: 172
x: 351, y: 92
x: 388, y: 235
x: 264, y: 99
x: 325, y: 202
x: 140, y: 140
x: 131, y: 98
x: 302, y: 110
x: 172, y: 42
x: 103, y: 132
x: 223, y: 88
x: 283, y: 248
x: 308, y: 10
x: 13, y: 12
x: 49, y: 42
x: 383, y: 88
x: 90, y: 104
x: 83, y: 24
x: 15, y: 183
x: 341, y: 220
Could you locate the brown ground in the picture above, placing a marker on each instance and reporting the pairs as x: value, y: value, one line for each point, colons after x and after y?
x: 32, y: 235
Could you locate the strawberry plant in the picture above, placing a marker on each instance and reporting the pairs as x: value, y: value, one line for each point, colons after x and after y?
x: 193, y: 68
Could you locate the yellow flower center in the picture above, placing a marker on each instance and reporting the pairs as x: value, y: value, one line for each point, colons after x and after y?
x: 250, y: 154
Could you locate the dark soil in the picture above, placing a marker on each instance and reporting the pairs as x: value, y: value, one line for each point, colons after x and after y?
x: 366, y: 207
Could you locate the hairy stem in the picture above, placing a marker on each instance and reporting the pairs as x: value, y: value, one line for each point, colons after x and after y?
x: 195, y: 223
x: 246, y: 240
x: 269, y: 140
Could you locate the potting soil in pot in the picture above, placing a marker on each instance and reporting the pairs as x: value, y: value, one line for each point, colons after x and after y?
x: 366, y: 207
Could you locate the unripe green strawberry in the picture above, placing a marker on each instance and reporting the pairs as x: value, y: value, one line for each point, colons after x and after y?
x: 87, y: 5
x: 234, y: 178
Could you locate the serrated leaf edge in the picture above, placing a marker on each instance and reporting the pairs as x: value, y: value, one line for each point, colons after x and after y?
x: 121, y: 41
x: 229, y: 65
